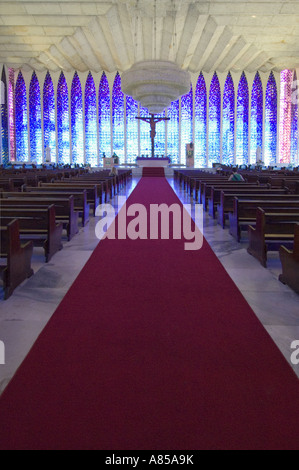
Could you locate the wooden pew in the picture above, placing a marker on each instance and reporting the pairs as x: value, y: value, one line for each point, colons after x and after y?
x: 95, y: 196
x: 18, y: 258
x: 108, y: 184
x: 272, y: 230
x: 206, y: 189
x: 290, y: 263
x: 80, y: 196
x: 198, y: 185
x: 38, y: 225
x: 226, y: 205
x: 64, y: 208
x: 244, y: 212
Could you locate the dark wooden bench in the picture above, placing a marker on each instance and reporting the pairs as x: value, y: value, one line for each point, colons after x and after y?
x: 206, y: 189
x: 108, y: 184
x: 64, y: 208
x: 290, y: 263
x: 227, y: 199
x: 272, y: 230
x: 95, y: 196
x: 17, y: 265
x: 81, y: 197
x: 38, y: 225
x: 244, y: 212
x: 292, y: 185
x: 197, y: 185
x: 215, y: 199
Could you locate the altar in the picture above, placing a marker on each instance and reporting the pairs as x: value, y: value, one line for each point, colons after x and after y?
x: 152, y: 162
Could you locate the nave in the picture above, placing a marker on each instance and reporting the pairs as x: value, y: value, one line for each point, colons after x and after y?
x: 274, y: 304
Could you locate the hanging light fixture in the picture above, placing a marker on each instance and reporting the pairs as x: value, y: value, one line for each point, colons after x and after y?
x: 155, y: 83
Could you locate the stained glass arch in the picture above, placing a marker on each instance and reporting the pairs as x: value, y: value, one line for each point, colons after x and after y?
x: 22, y: 147
x: 63, y: 130
x: 200, y: 125
x: 228, y: 122
x: 271, y: 122
x: 214, y: 120
x: 242, y: 121
x: 118, y: 114
x: 49, y: 117
x: 256, y: 119
x: 104, y: 118
x: 91, y: 132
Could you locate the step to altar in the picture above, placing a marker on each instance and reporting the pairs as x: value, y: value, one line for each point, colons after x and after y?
x: 153, y: 172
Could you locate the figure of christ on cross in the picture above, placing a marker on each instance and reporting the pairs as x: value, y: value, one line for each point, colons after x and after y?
x: 152, y: 120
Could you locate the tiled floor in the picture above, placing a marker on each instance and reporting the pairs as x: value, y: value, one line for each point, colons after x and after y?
x: 25, y: 314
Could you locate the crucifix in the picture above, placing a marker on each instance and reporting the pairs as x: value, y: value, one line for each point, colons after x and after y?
x: 152, y: 120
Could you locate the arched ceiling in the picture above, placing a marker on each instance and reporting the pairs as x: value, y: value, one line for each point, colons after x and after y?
x: 203, y: 35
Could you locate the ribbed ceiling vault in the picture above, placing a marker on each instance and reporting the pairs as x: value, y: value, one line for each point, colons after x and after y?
x: 203, y: 35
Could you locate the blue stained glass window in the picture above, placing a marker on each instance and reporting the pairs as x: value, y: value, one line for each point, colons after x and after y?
x: 173, y: 112
x: 294, y: 122
x: 256, y: 120
x: 49, y: 116
x: 91, y: 140
x: 77, y: 121
x: 63, y: 123
x: 118, y: 114
x: 228, y: 132
x: 214, y: 120
x: 200, y: 114
x: 104, y: 118
x: 145, y: 137
x: 271, y: 122
x: 35, y: 120
x: 4, y: 120
x: 242, y: 121
x: 186, y: 123
x: 132, y: 129
x: 22, y: 153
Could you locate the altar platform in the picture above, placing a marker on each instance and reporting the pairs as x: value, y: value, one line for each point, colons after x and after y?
x: 152, y: 162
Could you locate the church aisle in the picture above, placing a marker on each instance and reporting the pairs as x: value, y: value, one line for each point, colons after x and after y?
x: 275, y: 305
x: 135, y: 366
x: 24, y: 315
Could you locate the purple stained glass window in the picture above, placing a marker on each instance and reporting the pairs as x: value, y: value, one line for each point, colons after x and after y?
x: 91, y: 139
x: 118, y: 114
x: 11, y: 112
x: 186, y: 123
x: 49, y: 116
x: 242, y: 121
x: 228, y: 126
x: 35, y: 121
x: 77, y: 121
x: 173, y: 112
x: 214, y: 120
x: 22, y: 152
x: 63, y: 131
x: 104, y: 118
x: 131, y: 129
x: 271, y: 122
x: 256, y: 120
x: 200, y: 116
x: 294, y: 121
x: 286, y: 79
x: 4, y: 120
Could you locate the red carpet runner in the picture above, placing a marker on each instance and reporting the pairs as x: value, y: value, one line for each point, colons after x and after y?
x: 152, y: 348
